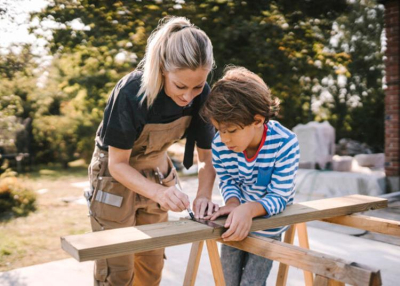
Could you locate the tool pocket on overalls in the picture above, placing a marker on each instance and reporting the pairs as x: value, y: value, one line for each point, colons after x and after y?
x: 111, y: 200
x: 171, y: 179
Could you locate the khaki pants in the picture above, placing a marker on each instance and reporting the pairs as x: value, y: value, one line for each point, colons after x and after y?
x: 114, y: 206
x: 136, y: 269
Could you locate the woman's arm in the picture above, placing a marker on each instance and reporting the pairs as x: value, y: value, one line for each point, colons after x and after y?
x: 168, y: 197
x: 206, y: 182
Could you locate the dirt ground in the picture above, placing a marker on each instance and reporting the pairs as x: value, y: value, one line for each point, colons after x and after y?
x: 35, y: 239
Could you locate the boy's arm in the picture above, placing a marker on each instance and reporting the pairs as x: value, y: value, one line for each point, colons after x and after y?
x: 227, y: 184
x: 281, y: 188
x: 280, y: 191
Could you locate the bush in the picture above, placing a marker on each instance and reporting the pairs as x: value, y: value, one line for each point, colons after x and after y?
x: 15, y: 198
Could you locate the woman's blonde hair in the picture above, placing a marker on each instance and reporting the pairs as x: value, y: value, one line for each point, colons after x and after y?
x: 175, y: 44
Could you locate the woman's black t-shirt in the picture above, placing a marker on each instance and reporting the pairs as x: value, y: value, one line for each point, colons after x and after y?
x: 125, y: 116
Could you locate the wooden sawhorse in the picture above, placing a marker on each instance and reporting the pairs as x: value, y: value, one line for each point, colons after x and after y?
x: 334, y: 271
x: 212, y: 248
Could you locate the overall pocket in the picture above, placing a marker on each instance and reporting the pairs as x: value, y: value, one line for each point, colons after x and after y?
x: 171, y: 179
x: 112, y: 201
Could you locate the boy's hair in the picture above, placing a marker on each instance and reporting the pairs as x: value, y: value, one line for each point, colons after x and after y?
x: 238, y: 97
x: 175, y: 44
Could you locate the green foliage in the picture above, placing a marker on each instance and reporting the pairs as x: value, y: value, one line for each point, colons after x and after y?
x: 15, y: 198
x: 357, y: 109
x: 17, y: 87
x: 288, y: 43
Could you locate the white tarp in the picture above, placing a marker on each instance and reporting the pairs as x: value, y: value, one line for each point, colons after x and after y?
x: 316, y: 184
x: 317, y: 143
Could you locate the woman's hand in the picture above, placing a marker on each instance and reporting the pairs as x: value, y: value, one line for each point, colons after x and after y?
x: 225, y: 210
x: 202, y: 204
x: 231, y: 204
x: 171, y: 198
x: 238, y: 223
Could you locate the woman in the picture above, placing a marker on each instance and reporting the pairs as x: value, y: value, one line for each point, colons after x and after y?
x: 133, y: 181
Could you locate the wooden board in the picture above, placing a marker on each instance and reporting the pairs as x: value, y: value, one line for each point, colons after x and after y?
x: 116, y: 242
x: 374, y: 224
x: 321, y: 264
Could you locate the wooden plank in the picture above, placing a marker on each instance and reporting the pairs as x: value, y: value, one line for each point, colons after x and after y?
x: 321, y: 264
x: 283, y: 271
x: 321, y: 281
x: 374, y: 224
x: 215, y: 261
x: 116, y: 242
x: 303, y: 242
x: 193, y: 263
x: 336, y: 283
x: 320, y: 209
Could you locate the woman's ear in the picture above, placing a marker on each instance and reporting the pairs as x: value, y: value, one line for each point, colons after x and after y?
x: 259, y: 120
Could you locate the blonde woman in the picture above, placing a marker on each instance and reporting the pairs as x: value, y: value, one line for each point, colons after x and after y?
x: 133, y: 182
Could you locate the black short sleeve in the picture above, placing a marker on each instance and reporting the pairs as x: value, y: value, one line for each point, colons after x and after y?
x: 123, y: 116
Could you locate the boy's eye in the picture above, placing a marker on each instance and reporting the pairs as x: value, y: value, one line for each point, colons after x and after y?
x: 231, y: 131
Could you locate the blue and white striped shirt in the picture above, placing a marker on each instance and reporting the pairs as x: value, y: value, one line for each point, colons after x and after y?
x: 269, y: 179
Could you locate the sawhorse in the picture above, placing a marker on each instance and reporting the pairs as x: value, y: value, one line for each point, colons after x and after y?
x: 336, y: 272
x: 212, y: 248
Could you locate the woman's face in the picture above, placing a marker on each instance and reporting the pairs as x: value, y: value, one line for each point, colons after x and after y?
x: 182, y: 86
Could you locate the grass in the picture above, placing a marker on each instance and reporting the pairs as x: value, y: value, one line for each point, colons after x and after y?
x: 35, y: 239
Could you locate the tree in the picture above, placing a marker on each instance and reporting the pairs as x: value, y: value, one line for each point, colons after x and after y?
x: 95, y: 43
x: 356, y: 108
x: 17, y: 84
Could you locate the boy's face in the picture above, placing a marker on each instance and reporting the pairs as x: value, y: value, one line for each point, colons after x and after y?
x: 239, y: 139
x: 182, y: 86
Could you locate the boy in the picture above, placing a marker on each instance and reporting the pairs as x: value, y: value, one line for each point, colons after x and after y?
x: 256, y: 161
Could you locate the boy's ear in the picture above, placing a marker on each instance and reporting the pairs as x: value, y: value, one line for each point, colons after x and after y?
x: 259, y: 120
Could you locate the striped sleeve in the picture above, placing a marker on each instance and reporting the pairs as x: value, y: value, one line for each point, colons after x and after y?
x: 281, y: 188
x: 227, y: 184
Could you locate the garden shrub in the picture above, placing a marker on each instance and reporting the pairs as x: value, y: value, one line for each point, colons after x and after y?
x: 15, y: 198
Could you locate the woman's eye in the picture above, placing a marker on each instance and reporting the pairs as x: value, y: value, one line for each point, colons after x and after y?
x: 180, y: 87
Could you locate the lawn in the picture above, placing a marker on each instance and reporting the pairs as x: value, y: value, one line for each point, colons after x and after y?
x: 35, y: 239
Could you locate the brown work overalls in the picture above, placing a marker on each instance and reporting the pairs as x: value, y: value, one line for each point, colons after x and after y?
x: 112, y: 205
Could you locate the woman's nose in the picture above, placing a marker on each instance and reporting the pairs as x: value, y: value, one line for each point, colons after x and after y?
x: 189, y: 95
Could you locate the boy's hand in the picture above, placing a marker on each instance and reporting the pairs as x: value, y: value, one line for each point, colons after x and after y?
x: 239, y: 222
